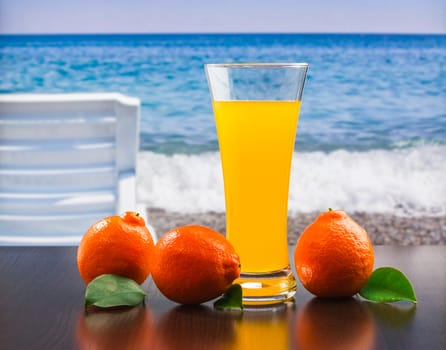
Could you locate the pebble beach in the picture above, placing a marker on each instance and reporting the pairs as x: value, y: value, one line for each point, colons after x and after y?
x: 383, y: 229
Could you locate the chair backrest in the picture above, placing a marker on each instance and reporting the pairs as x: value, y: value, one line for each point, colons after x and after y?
x: 65, y: 160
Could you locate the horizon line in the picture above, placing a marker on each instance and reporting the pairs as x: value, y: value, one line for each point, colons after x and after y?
x: 224, y: 33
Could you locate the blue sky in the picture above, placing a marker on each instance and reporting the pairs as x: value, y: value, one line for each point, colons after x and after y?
x: 177, y: 16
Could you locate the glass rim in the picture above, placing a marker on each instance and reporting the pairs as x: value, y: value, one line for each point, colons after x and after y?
x: 258, y: 65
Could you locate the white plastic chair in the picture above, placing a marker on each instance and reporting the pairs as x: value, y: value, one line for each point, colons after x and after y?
x: 66, y: 161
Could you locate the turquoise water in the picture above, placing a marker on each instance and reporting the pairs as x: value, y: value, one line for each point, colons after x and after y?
x: 363, y: 91
x: 372, y: 130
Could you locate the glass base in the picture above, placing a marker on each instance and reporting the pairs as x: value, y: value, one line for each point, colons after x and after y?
x: 267, y: 288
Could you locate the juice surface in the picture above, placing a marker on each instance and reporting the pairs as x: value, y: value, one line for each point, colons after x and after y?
x: 256, y: 141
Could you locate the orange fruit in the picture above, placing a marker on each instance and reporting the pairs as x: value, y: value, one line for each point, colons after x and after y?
x: 193, y: 264
x: 334, y: 256
x: 120, y: 245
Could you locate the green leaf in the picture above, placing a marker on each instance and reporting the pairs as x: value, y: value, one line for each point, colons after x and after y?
x: 112, y: 290
x: 231, y: 299
x: 387, y: 285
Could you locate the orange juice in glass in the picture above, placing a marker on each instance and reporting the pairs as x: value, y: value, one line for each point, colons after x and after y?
x: 256, y: 108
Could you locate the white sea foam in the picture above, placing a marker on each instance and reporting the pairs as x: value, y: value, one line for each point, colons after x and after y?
x: 408, y: 181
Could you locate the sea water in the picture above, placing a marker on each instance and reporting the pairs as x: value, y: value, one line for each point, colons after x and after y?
x: 372, y: 128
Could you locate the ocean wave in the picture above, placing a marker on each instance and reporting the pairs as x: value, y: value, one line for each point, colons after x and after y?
x: 408, y: 181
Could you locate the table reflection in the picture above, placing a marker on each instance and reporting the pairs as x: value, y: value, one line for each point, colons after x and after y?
x: 395, y: 315
x: 319, y: 324
x: 334, y: 324
x: 195, y: 327
x: 121, y: 328
x: 264, y: 327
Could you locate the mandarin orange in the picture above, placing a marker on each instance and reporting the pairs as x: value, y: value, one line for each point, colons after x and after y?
x: 334, y: 256
x: 193, y: 264
x: 120, y: 245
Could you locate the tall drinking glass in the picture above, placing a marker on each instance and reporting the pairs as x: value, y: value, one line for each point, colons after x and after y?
x: 256, y: 108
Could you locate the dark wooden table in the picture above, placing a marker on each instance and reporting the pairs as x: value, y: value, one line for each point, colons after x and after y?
x: 42, y: 296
